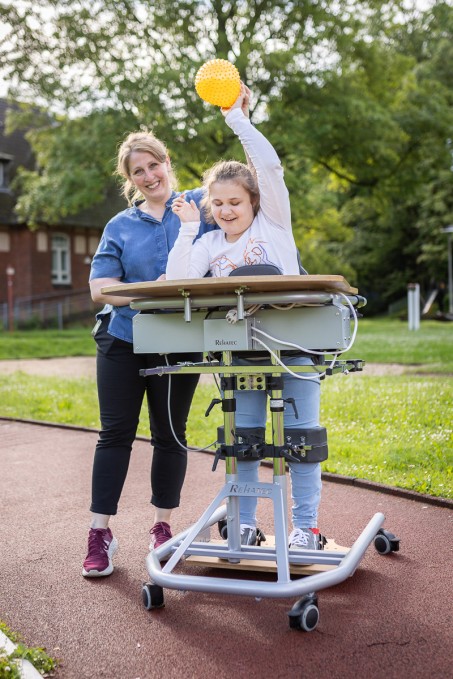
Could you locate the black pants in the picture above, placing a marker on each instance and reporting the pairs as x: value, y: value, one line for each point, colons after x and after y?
x: 121, y: 391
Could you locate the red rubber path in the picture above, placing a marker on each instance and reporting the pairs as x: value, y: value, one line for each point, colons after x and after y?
x: 392, y: 619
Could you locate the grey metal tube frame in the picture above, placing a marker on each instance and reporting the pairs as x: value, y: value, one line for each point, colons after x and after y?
x: 345, y: 562
x: 160, y: 563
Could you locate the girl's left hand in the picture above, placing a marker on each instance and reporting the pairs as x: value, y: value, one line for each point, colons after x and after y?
x: 187, y: 212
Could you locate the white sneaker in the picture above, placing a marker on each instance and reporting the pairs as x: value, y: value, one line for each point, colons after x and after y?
x: 248, y: 534
x: 304, y: 538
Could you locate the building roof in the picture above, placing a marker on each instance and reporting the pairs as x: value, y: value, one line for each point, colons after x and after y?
x: 15, y: 149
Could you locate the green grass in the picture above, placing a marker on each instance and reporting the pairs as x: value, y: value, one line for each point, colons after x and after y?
x: 379, y: 340
x: 429, y: 349
x: 46, y: 343
x: 394, y: 429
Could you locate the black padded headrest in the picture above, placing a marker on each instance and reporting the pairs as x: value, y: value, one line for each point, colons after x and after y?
x: 257, y: 270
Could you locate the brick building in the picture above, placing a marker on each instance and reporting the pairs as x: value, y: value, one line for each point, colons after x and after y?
x: 51, y: 262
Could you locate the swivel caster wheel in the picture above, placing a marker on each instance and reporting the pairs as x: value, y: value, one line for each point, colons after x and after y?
x: 223, y: 529
x: 304, y: 615
x: 152, y: 596
x: 385, y: 542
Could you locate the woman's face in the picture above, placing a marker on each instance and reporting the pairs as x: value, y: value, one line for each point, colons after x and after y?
x: 150, y: 176
x: 231, y: 208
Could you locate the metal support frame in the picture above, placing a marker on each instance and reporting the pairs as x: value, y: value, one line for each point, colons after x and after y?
x: 186, y: 544
x: 161, y: 563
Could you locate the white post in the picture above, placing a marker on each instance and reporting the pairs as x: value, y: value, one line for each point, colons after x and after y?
x: 450, y: 275
x: 449, y: 230
x: 413, y: 306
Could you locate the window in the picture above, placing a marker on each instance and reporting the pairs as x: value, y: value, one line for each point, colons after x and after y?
x: 5, y: 160
x: 61, y: 258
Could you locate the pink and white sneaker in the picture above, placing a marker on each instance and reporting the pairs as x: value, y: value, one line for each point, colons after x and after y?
x: 160, y: 533
x: 101, y: 548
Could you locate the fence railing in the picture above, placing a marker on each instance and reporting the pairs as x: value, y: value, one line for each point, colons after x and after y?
x: 53, y: 310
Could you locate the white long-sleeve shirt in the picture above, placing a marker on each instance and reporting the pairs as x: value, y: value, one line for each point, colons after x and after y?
x: 268, y: 240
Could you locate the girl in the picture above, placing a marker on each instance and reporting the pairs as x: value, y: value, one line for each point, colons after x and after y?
x: 251, y: 207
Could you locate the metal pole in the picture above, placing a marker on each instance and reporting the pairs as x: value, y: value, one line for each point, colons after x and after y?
x: 10, y: 289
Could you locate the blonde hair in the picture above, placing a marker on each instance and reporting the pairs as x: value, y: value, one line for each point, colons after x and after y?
x: 233, y: 171
x: 144, y: 142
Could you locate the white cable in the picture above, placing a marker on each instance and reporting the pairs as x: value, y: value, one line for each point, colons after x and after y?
x: 283, y: 307
x: 201, y: 450
x: 299, y: 377
x: 356, y: 321
x: 251, y: 310
x: 286, y: 344
x: 313, y: 351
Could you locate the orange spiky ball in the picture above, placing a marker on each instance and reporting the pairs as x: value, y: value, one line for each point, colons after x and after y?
x: 218, y: 82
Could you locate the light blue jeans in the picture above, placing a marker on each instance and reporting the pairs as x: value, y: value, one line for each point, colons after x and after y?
x: 305, y: 477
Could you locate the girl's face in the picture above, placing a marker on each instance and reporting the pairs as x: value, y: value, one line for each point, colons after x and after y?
x: 231, y: 208
x: 151, y: 177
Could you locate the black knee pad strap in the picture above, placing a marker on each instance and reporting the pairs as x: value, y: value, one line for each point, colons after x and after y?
x: 249, y: 443
x: 305, y: 445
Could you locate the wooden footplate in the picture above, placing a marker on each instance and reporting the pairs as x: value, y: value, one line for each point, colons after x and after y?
x: 265, y: 566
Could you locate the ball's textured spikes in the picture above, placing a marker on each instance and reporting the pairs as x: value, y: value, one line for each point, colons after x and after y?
x: 218, y: 82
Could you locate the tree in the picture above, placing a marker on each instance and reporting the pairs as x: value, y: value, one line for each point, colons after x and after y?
x: 379, y: 123
x: 135, y: 62
x: 355, y: 97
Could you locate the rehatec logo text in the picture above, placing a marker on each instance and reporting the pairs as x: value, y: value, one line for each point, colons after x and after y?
x: 251, y: 490
x: 221, y: 342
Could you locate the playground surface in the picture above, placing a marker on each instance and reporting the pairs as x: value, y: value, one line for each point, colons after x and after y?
x: 392, y: 619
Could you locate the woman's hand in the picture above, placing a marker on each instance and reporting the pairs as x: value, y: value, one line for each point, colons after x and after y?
x: 186, y: 211
x: 242, y: 102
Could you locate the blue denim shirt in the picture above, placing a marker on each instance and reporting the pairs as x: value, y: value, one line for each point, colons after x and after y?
x: 134, y: 247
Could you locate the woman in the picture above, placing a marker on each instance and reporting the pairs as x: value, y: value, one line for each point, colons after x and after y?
x: 134, y: 247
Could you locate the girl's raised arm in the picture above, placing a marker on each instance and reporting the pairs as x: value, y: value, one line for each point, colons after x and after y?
x: 274, y: 197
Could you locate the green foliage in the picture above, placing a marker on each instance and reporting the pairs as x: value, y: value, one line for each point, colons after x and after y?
x: 12, y: 636
x: 380, y: 122
x: 38, y: 658
x: 9, y: 667
x: 356, y: 98
x: 65, y: 183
